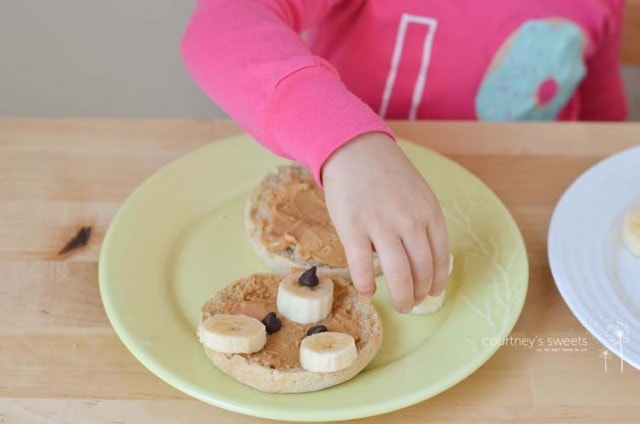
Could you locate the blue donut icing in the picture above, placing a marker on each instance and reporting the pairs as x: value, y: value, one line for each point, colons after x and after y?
x: 541, y: 51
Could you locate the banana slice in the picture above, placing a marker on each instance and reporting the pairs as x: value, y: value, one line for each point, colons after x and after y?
x: 631, y: 231
x: 432, y: 304
x: 305, y: 304
x: 327, y: 352
x: 429, y: 305
x: 232, y: 333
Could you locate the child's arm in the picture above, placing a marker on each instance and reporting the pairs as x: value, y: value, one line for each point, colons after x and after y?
x: 601, y: 92
x: 247, y: 56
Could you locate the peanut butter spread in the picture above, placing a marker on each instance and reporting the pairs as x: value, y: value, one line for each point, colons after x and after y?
x: 258, y: 298
x: 299, y: 217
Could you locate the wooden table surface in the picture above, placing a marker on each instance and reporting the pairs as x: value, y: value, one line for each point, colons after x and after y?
x: 60, y: 360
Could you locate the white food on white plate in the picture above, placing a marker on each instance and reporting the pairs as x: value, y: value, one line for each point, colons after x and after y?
x: 432, y: 304
x: 595, y: 272
x: 232, y: 333
x: 327, y: 352
x: 631, y: 231
x: 303, y: 304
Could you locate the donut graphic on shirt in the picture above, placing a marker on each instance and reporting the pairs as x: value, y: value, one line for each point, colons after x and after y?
x: 534, y: 74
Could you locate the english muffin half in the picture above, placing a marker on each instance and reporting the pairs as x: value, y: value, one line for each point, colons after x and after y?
x: 276, y: 367
x: 288, y: 225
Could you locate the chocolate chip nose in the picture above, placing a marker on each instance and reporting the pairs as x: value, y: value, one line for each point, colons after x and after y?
x: 309, y: 278
x: 272, y: 323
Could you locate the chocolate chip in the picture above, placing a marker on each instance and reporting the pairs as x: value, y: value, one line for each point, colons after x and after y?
x: 316, y: 329
x: 272, y: 322
x: 309, y: 278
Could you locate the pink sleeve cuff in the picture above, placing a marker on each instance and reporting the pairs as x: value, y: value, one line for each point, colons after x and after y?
x: 311, y: 114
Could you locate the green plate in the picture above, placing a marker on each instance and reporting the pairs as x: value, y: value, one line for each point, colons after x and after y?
x: 180, y: 237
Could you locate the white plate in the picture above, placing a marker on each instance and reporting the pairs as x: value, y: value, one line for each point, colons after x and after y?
x: 598, y: 277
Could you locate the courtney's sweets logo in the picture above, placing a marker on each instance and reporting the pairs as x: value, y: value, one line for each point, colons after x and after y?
x: 540, y: 343
x: 606, y: 357
x: 618, y: 335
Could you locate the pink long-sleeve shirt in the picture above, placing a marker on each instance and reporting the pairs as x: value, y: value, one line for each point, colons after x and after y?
x: 365, y: 60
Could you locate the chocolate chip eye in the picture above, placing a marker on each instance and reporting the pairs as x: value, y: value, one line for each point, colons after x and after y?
x: 316, y: 329
x: 309, y: 278
x: 272, y: 322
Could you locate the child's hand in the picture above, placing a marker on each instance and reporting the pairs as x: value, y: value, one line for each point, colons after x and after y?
x: 376, y: 197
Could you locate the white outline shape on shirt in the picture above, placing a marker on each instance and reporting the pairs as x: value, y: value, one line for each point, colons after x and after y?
x: 418, y: 88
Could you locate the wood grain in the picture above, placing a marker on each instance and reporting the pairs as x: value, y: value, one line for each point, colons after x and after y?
x: 60, y: 361
x: 630, y: 48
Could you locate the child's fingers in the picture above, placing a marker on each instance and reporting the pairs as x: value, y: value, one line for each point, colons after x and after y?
x: 439, y: 243
x: 396, y: 269
x: 419, y: 254
x: 357, y: 248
